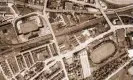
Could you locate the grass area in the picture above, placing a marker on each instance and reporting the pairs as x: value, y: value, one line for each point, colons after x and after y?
x: 102, y: 52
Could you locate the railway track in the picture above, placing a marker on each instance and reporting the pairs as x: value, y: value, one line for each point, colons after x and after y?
x: 79, y: 27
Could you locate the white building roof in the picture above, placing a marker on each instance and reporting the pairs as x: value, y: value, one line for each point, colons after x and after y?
x: 130, y: 70
x: 130, y: 53
x: 85, y: 63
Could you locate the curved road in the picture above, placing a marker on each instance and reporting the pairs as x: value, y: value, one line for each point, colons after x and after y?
x: 120, y: 2
x: 109, y: 11
x: 78, y: 27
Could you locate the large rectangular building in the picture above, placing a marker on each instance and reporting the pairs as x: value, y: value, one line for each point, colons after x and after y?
x: 85, y: 64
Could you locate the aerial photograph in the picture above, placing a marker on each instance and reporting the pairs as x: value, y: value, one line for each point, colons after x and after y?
x: 66, y: 39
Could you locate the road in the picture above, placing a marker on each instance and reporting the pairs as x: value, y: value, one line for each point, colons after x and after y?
x: 84, y: 45
x: 119, y: 69
x: 45, y: 5
x: 87, y: 42
x: 104, y: 15
x: 54, y: 39
x: 81, y: 46
x: 60, y: 33
x: 120, y: 2
x: 108, y: 11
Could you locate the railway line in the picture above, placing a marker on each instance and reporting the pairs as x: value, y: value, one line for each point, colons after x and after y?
x: 105, y: 72
x: 108, y: 11
x: 87, y: 24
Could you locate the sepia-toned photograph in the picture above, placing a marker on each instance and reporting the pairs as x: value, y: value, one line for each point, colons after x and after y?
x: 66, y: 39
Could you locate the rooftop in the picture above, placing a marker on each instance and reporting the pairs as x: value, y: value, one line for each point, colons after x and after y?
x: 130, y: 70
